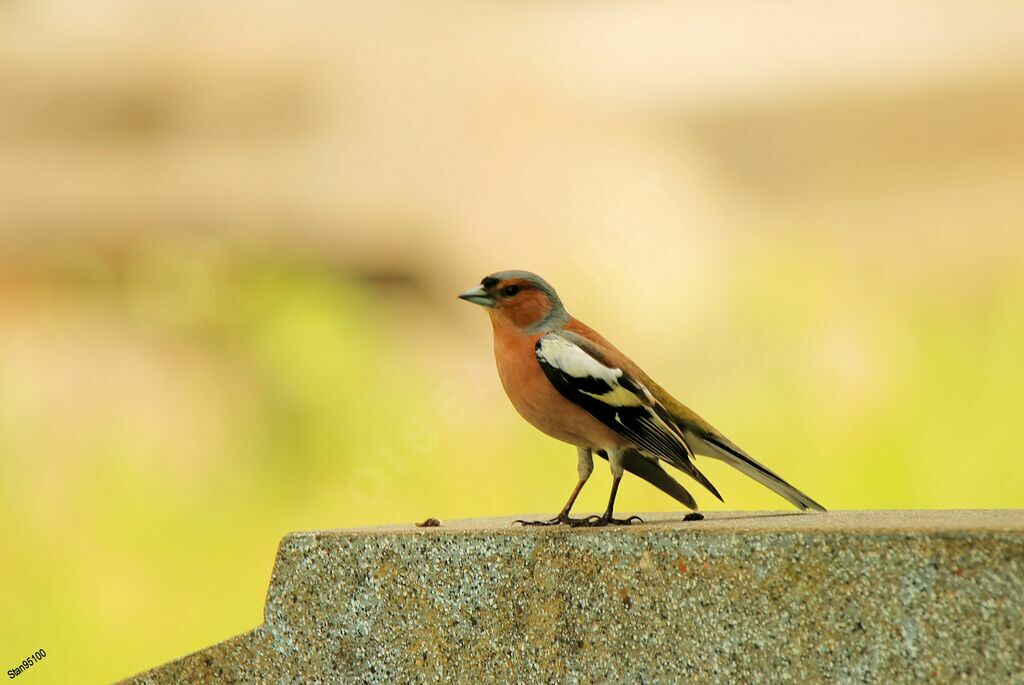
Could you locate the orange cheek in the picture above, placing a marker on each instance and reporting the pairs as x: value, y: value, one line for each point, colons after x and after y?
x: 527, y: 309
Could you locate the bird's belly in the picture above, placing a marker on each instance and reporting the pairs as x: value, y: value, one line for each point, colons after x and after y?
x: 537, y: 401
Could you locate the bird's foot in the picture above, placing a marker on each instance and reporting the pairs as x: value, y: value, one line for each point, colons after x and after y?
x: 694, y: 516
x: 599, y: 521
x: 561, y: 519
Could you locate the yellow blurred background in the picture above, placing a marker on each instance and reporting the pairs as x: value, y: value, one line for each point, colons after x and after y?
x: 231, y: 236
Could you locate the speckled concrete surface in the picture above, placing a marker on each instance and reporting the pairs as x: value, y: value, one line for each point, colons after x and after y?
x: 844, y: 597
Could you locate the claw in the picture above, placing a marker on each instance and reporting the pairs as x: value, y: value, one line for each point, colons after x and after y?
x: 599, y: 521
x: 591, y: 520
x: 549, y: 522
x: 558, y: 520
x: 628, y: 521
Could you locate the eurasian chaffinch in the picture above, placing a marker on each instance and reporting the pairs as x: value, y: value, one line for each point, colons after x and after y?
x: 572, y: 384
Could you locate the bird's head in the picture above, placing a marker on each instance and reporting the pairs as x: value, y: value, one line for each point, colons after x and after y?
x: 520, y: 298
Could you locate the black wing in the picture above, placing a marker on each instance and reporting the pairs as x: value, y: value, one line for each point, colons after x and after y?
x: 648, y: 469
x: 578, y: 370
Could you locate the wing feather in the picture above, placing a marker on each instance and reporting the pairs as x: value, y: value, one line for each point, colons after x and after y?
x: 582, y: 374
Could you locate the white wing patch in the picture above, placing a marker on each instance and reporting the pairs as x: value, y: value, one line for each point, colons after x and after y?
x: 574, y: 361
x: 616, y: 399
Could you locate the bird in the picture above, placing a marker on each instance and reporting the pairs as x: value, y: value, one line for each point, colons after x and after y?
x: 571, y: 383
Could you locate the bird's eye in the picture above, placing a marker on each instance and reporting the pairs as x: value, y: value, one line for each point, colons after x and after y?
x: 510, y: 290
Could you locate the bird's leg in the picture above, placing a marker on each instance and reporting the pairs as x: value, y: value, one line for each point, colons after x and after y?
x: 615, y: 459
x: 585, y: 468
x: 563, y: 516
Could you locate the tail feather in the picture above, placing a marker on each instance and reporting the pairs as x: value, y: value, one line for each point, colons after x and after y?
x: 705, y: 440
x: 691, y: 470
x: 650, y: 471
x: 719, y: 447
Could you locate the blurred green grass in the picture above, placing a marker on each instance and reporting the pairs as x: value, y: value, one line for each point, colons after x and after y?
x: 266, y: 394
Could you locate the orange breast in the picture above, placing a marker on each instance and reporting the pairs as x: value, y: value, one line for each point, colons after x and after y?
x: 537, y: 400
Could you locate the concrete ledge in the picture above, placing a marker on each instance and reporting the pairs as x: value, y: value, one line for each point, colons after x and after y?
x: 739, y: 598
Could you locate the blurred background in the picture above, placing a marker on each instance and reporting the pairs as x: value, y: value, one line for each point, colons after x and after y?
x: 231, y: 237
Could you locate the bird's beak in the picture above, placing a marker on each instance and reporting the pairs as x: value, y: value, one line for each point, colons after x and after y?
x: 478, y: 296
